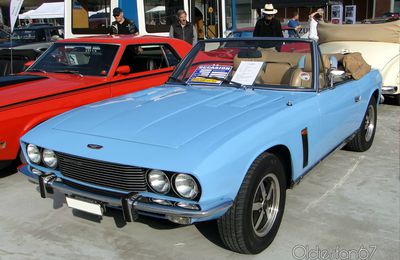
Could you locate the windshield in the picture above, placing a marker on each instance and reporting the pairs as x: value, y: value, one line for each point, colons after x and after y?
x: 26, y: 35
x: 84, y: 59
x: 257, y: 63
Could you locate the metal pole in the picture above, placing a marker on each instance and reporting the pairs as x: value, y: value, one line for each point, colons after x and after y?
x: 11, y: 51
x: 373, y: 9
x: 233, y: 15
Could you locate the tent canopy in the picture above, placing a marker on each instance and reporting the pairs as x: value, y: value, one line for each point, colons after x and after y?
x: 259, y: 4
x: 46, y: 10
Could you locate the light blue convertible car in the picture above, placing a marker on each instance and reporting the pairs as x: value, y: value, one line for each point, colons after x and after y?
x: 238, y: 123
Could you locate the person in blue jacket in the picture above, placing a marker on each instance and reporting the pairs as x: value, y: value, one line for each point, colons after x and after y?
x: 295, y: 24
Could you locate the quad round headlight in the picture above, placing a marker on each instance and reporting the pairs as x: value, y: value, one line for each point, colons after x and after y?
x: 186, y: 186
x: 50, y: 158
x: 33, y: 153
x: 158, y: 181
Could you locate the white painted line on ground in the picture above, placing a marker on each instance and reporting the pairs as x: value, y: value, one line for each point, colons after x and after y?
x: 314, y: 203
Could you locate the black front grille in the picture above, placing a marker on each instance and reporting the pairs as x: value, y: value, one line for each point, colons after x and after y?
x: 117, y: 176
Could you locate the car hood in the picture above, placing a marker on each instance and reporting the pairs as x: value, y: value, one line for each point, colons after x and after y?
x: 30, y: 86
x: 172, y: 116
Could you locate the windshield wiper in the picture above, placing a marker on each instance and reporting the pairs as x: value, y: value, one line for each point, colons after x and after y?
x: 176, y: 79
x: 36, y: 70
x: 236, y: 84
x: 75, y: 72
x: 230, y: 82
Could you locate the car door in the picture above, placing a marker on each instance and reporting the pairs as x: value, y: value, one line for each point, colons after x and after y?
x: 339, y: 108
x: 145, y: 66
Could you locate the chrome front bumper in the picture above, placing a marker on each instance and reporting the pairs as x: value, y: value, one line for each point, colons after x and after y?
x: 389, y: 90
x: 130, y: 204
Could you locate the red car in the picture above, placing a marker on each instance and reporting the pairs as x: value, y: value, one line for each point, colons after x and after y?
x: 76, y: 72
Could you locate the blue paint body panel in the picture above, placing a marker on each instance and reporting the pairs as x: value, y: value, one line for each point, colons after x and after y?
x: 213, y: 133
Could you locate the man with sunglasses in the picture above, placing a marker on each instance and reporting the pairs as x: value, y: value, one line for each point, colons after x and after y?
x: 268, y: 26
x: 121, y: 25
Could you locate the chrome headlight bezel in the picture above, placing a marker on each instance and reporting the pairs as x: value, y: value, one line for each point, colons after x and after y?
x: 153, y: 176
x: 49, y: 158
x: 33, y: 153
x: 186, y: 186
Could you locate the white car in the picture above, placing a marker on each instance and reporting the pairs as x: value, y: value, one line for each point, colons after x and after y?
x: 378, y: 43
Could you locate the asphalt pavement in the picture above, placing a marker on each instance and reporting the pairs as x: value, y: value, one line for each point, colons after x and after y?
x: 348, y: 207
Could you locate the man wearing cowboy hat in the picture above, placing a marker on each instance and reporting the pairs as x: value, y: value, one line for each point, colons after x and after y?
x: 268, y: 26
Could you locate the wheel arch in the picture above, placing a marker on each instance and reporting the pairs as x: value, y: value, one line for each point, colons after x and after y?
x: 284, y: 155
x: 375, y: 94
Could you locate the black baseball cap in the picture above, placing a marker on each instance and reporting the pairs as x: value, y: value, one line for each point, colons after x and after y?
x: 117, y: 11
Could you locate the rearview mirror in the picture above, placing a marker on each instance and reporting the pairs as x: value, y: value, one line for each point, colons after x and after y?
x: 123, y: 70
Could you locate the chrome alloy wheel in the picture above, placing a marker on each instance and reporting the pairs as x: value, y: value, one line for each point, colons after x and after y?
x: 369, y: 125
x: 265, y: 205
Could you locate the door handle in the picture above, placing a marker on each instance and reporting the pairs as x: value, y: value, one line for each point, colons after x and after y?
x: 357, y: 99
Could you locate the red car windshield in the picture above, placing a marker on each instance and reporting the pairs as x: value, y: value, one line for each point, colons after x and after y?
x: 84, y: 59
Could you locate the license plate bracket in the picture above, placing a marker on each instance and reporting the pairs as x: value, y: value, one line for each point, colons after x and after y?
x: 84, y: 205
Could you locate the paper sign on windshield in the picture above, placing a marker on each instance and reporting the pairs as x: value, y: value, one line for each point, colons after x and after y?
x: 213, y: 74
x: 247, y: 72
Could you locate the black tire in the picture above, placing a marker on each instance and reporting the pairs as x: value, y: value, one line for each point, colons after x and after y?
x: 392, y: 99
x: 237, y: 229
x: 364, y: 138
x: 396, y: 100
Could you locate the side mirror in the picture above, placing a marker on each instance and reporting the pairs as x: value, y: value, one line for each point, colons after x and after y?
x: 29, y: 63
x: 123, y: 70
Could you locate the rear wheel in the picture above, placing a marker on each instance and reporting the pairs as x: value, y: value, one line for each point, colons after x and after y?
x: 366, y: 133
x: 251, y: 224
x: 392, y: 99
x: 397, y: 100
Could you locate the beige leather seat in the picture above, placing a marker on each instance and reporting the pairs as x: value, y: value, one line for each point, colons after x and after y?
x: 279, y: 67
x: 254, y: 55
x: 302, y: 75
x: 251, y: 55
x: 276, y: 73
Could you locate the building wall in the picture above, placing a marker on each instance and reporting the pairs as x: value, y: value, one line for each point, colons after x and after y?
x: 382, y: 6
x: 365, y: 9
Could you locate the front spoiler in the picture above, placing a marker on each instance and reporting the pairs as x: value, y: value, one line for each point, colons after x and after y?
x: 130, y: 204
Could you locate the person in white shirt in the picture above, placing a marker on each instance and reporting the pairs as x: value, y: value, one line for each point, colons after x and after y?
x: 315, y: 18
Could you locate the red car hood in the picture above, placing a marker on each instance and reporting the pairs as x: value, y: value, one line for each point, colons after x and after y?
x: 50, y: 84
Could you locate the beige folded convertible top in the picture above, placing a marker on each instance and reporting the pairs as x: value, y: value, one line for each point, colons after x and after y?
x: 383, y: 32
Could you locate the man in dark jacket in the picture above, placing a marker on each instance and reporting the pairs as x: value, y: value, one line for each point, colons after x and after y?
x: 121, y: 25
x: 268, y: 26
x: 183, y: 29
